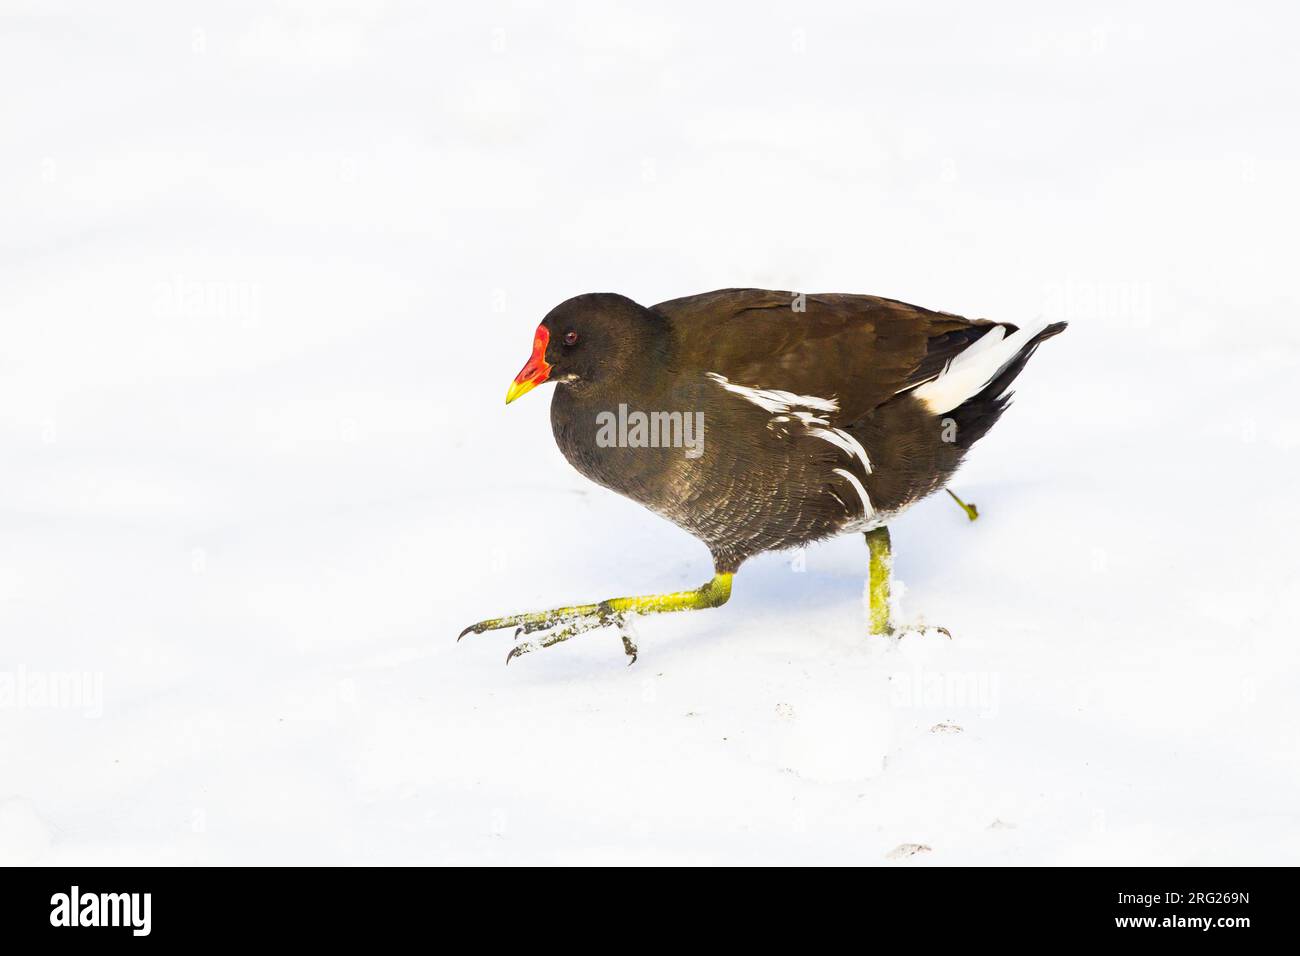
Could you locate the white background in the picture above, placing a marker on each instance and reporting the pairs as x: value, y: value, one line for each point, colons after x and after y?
x: 266, y: 271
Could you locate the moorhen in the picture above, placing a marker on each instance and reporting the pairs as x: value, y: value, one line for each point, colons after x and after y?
x: 760, y: 420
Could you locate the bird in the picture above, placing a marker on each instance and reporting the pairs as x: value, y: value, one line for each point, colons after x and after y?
x: 762, y: 420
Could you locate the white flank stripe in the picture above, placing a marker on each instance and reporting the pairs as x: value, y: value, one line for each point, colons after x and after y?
x: 842, y: 439
x: 773, y: 399
x: 808, y: 418
x: 867, y: 510
x: 973, y: 369
x: 787, y: 406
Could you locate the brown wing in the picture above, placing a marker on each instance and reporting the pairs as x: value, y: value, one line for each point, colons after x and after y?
x: 859, y: 349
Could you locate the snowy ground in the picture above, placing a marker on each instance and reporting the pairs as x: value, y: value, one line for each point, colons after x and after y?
x: 266, y: 271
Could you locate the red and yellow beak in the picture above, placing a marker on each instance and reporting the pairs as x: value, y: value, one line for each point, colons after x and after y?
x: 536, y: 371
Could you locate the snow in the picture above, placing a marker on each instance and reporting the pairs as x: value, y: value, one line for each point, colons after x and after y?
x: 268, y: 270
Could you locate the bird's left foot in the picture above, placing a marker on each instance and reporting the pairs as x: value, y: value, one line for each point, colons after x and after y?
x: 562, y: 623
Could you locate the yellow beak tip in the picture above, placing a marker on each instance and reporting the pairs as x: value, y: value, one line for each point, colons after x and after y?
x: 517, y: 389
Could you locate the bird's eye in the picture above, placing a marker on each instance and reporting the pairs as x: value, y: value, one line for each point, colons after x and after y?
x: 570, y: 338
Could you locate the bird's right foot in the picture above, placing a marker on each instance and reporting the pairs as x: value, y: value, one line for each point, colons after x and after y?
x: 918, y: 629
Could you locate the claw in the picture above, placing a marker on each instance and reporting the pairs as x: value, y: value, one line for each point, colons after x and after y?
x: 519, y: 650
x: 629, y: 645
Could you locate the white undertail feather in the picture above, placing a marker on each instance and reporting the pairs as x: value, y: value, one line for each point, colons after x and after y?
x: 974, y: 368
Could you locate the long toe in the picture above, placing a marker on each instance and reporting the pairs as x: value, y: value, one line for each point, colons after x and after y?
x: 497, y: 624
x: 489, y: 625
x: 546, y: 623
x: 556, y: 636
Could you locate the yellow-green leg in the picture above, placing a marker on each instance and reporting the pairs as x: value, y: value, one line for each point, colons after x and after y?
x: 971, y: 511
x: 579, y: 618
x: 879, y: 569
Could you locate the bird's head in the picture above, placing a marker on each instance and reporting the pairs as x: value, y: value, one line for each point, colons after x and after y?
x: 586, y: 340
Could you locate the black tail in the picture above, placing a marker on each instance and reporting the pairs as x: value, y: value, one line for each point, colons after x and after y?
x: 979, y: 413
